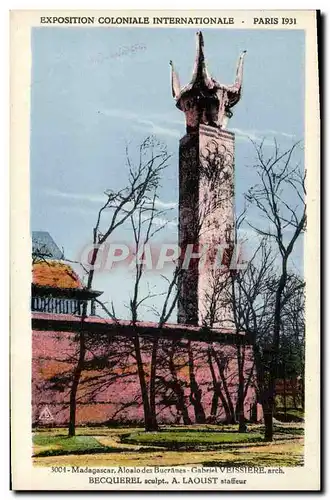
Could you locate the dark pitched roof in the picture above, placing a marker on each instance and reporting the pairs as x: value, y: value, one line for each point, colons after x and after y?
x: 43, y: 243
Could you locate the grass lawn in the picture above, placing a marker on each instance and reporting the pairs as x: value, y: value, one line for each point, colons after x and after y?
x: 47, y: 445
x: 66, y: 443
x: 187, y: 439
x: 203, y: 445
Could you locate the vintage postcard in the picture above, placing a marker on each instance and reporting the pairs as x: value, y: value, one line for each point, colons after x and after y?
x: 165, y: 251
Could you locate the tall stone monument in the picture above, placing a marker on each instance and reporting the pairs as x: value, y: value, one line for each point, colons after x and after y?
x: 206, y: 192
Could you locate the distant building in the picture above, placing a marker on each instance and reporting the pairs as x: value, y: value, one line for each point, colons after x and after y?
x: 44, y: 245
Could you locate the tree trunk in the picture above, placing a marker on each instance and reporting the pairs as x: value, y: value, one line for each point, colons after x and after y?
x: 218, y: 394
x: 215, y: 398
x: 284, y: 394
x: 179, y: 392
x: 181, y: 405
x: 214, y: 406
x: 82, y: 353
x: 228, y: 397
x: 273, y: 373
x: 240, y: 392
x: 75, y: 384
x: 148, y: 421
x: 152, y: 388
x: 254, y: 412
x: 303, y: 392
x: 229, y: 402
x: 248, y: 382
x: 195, y: 391
x: 268, y: 421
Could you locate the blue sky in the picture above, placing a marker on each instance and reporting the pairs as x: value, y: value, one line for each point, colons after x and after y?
x: 92, y: 94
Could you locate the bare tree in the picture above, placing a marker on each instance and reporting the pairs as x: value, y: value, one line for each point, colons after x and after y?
x: 279, y: 197
x: 40, y: 253
x: 143, y: 176
x: 222, y: 305
x: 144, y: 229
x: 250, y: 297
x: 292, y: 342
x: 170, y: 301
x: 253, y: 296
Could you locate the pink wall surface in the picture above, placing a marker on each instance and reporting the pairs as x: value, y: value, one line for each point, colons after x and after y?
x: 109, y: 390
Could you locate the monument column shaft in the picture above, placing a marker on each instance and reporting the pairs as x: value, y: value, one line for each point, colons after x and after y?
x: 206, y: 198
x: 206, y: 224
x: 189, y: 176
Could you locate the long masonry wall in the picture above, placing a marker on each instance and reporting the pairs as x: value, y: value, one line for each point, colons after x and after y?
x: 109, y: 391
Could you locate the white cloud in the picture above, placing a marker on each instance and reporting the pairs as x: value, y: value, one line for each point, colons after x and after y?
x: 161, y: 221
x: 250, y: 135
x: 152, y: 128
x: 152, y: 124
x: 165, y: 204
x: 92, y: 198
x: 99, y: 199
x: 258, y: 135
x: 284, y: 134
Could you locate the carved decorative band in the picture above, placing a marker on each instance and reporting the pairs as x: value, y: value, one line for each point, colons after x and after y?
x: 214, y: 132
x: 209, y: 132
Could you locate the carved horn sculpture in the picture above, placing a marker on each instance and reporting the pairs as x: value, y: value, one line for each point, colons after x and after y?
x: 200, y: 72
x: 204, y: 100
x: 175, y: 82
x: 239, y: 71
